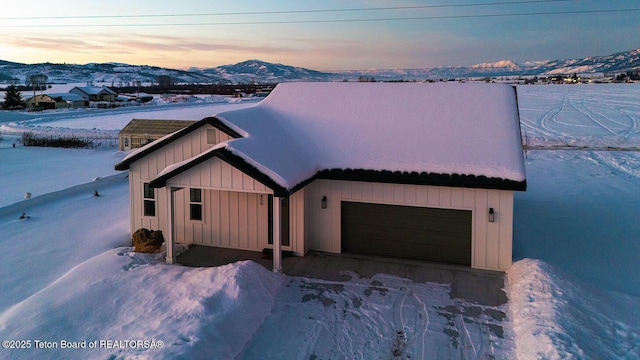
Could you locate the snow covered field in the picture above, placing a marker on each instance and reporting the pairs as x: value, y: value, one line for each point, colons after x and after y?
x: 68, y: 167
x: 574, y: 288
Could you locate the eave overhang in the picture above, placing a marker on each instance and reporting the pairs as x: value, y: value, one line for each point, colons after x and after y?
x: 392, y: 177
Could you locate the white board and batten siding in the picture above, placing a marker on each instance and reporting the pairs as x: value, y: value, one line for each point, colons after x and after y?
x: 230, y: 219
x: 298, y: 224
x: 491, y: 242
x: 219, y: 175
x: 235, y: 209
x: 148, y: 167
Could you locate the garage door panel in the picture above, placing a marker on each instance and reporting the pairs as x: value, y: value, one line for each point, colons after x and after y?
x: 406, y: 231
x: 404, y: 236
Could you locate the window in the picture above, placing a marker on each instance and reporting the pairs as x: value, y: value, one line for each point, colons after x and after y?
x: 149, y: 196
x: 126, y: 142
x: 135, y: 142
x: 195, y: 204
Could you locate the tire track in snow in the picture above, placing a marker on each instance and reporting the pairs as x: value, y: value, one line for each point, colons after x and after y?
x: 465, y: 340
x: 584, y: 110
x: 418, y: 333
x: 588, y: 113
x: 594, y: 110
x: 552, y: 116
x: 473, y: 349
x: 616, y: 126
x: 535, y: 129
x: 634, y: 118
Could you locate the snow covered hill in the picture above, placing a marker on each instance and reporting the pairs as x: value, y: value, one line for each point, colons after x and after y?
x: 265, y: 72
x: 69, y: 276
x: 110, y: 73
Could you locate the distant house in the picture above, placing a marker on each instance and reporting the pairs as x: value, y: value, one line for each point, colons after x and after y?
x: 407, y: 170
x: 56, y: 101
x: 140, y: 132
x: 67, y: 100
x: 95, y: 93
x: 40, y: 102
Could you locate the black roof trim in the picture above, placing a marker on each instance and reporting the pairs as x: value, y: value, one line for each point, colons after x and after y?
x: 213, y: 121
x: 228, y: 157
x: 414, y: 178
x: 240, y: 164
x: 384, y: 176
x: 216, y: 123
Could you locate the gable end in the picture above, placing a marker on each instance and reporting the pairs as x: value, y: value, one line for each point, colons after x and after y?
x: 124, y: 164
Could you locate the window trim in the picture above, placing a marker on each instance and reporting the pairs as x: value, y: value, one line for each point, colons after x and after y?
x: 195, y: 203
x: 148, y: 200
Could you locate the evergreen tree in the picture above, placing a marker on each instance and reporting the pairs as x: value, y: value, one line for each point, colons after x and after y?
x: 13, y: 99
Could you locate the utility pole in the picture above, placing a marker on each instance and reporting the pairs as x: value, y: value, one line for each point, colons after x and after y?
x: 35, y: 99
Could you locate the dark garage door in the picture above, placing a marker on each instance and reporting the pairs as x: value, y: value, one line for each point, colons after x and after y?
x: 442, y: 235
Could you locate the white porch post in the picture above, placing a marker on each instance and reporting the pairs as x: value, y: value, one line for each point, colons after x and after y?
x: 169, y: 239
x: 277, y: 235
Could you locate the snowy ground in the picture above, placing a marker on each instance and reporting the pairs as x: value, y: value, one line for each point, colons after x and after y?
x: 47, y: 169
x: 574, y: 289
x: 579, y: 203
x: 60, y: 169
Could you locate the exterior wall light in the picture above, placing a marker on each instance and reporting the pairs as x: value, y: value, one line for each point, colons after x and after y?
x: 323, y: 202
x: 492, y: 215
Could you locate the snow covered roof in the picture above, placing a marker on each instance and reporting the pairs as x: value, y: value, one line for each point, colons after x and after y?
x: 94, y: 90
x: 155, y: 127
x: 66, y: 96
x: 141, y: 152
x: 446, y: 134
x: 57, y: 97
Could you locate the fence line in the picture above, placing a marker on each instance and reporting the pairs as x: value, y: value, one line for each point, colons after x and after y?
x: 591, y: 142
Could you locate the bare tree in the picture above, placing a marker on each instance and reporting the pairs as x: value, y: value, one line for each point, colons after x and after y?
x: 165, y: 81
x: 37, y: 81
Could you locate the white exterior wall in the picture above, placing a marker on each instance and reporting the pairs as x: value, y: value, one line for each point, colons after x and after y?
x: 491, y: 243
x: 297, y: 224
x: 235, y: 217
x: 235, y: 209
x: 244, y: 222
x: 231, y: 219
x: 147, y: 168
x: 217, y: 174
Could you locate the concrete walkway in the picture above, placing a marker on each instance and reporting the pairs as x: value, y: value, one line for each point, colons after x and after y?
x: 477, y: 286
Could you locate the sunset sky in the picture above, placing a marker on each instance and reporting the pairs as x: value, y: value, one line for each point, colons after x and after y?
x: 322, y: 35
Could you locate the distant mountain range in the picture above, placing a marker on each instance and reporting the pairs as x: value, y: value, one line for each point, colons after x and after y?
x: 615, y: 63
x: 264, y: 72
